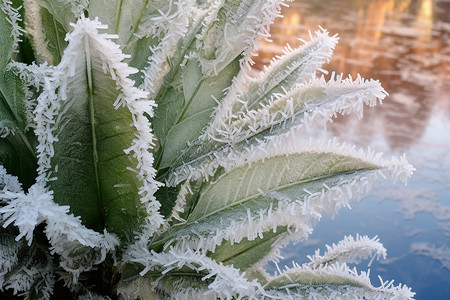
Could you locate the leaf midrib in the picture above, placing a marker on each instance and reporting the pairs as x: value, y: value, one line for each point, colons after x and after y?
x: 58, y: 45
x: 100, y: 207
x: 138, y: 22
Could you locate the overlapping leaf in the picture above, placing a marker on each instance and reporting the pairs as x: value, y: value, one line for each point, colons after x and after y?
x: 260, y: 193
x: 16, y: 144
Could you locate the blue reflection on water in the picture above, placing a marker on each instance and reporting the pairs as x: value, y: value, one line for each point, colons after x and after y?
x: 406, y: 45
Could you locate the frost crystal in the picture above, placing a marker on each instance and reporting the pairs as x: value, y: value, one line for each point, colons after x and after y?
x: 13, y: 18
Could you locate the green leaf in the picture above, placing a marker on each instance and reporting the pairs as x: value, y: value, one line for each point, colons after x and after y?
x: 270, y: 175
x: 136, y: 24
x: 95, y: 176
x: 230, y: 31
x: 6, y: 41
x: 192, y: 110
x: 17, y: 148
x: 307, y: 105
x: 293, y: 67
x: 246, y: 253
x: 125, y: 17
x: 12, y: 102
x: 54, y: 35
x: 61, y: 12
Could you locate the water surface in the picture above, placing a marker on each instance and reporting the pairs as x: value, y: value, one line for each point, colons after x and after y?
x: 406, y: 45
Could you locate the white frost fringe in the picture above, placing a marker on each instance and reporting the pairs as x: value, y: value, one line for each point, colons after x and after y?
x: 13, y: 18
x: 335, y: 281
x: 349, y: 250
x: 226, y: 280
x: 8, y: 182
x: 65, y: 232
x: 158, y: 65
x: 33, y: 78
x: 303, y: 61
x: 358, y: 93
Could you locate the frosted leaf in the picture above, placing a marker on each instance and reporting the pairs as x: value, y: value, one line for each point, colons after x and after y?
x: 349, y: 250
x: 306, y: 105
x: 158, y: 64
x: 65, y: 232
x: 288, y: 116
x: 25, y: 270
x: 223, y: 281
x: 292, y: 68
x: 232, y: 28
x: 62, y: 99
x: 336, y: 281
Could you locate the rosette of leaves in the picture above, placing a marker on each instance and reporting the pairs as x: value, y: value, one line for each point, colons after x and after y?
x: 139, y: 159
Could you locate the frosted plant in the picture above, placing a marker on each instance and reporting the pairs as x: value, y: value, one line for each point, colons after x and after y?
x: 138, y: 158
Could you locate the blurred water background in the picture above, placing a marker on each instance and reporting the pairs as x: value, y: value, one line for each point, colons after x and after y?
x: 406, y: 45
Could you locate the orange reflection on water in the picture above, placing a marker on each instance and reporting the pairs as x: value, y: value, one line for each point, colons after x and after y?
x: 403, y: 43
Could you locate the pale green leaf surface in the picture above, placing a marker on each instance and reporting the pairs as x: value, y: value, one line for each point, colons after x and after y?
x: 270, y: 175
x: 109, y: 12
x: 251, y: 202
x: 311, y: 277
x: 246, y: 253
x: 170, y: 97
x: 125, y: 17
